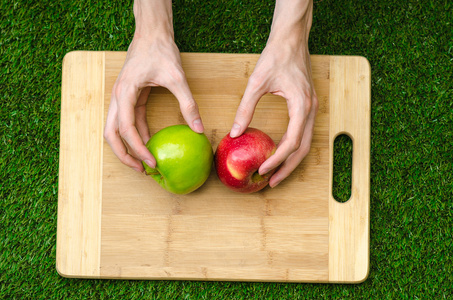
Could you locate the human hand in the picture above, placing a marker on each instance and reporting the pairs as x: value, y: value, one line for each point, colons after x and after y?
x: 149, y: 63
x: 283, y: 69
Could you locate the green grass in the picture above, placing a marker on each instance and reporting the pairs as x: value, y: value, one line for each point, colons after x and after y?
x: 410, y: 47
x: 342, y: 168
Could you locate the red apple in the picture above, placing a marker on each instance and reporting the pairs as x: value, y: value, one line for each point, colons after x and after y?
x: 237, y: 160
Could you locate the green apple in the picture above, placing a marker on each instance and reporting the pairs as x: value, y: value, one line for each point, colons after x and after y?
x: 183, y: 159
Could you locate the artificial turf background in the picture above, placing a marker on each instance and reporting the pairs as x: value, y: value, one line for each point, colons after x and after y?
x: 410, y: 47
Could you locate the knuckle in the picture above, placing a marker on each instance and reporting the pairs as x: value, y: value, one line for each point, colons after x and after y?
x: 243, y: 110
x: 190, y: 106
x: 307, y: 105
x: 294, y: 144
x: 123, y: 89
x: 303, y: 151
x: 109, y: 134
x: 175, y: 77
x: 115, y: 86
x: 118, y: 89
x: 123, y: 129
x: 315, y: 103
x: 256, y: 81
x: 106, y: 135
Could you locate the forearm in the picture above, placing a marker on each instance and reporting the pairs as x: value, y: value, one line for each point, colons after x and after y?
x: 153, y: 18
x: 292, y: 21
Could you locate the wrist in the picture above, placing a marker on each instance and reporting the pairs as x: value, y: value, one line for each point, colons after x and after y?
x: 288, y: 37
x: 291, y: 23
x: 153, y: 19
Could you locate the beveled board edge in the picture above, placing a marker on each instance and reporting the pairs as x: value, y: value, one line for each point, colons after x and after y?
x: 349, y: 222
x: 80, y: 165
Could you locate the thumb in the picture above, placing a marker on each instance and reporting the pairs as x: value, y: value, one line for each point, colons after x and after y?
x: 246, y: 108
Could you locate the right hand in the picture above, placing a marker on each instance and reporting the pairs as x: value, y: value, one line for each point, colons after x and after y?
x: 149, y: 63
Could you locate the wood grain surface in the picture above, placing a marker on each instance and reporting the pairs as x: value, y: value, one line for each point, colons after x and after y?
x: 116, y: 223
x: 80, y: 167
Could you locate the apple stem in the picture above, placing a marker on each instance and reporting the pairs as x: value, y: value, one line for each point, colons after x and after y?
x: 153, y: 172
x: 256, y: 177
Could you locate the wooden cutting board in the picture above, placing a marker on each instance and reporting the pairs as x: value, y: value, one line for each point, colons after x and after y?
x: 116, y: 223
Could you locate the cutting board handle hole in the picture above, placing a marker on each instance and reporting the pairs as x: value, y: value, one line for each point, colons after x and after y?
x: 342, y: 168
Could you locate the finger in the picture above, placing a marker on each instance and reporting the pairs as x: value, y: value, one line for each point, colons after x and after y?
x: 295, y: 159
x: 189, y: 108
x: 292, y: 139
x: 140, y: 113
x: 288, y: 166
x: 127, y: 129
x: 114, y: 140
x: 120, y: 151
x: 253, y: 93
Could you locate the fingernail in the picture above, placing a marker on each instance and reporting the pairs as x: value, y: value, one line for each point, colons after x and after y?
x: 235, y: 130
x: 262, y: 172
x: 136, y: 169
x: 198, y: 126
x: 275, y: 184
x: 150, y: 163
